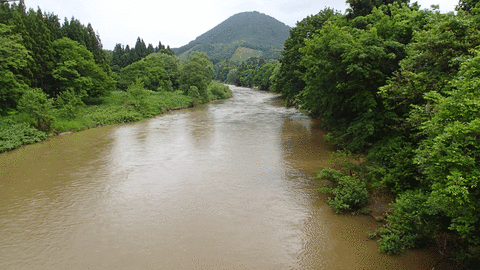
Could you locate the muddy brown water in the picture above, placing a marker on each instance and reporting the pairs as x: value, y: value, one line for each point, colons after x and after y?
x: 220, y: 186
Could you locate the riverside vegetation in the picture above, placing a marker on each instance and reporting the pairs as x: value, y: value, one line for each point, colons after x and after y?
x: 56, y: 77
x: 389, y: 81
x: 398, y: 85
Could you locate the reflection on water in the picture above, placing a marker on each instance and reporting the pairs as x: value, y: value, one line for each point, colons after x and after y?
x: 220, y: 186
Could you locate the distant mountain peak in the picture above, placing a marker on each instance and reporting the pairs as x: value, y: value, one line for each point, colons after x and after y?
x: 250, y: 29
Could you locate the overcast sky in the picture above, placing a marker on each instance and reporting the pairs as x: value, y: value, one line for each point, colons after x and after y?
x: 177, y: 22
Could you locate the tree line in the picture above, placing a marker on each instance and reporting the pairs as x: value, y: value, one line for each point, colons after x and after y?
x: 56, y: 77
x: 44, y: 53
x: 255, y: 72
x: 123, y: 56
x: 399, y: 84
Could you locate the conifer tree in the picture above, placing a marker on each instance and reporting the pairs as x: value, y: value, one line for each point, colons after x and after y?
x: 138, y: 52
x: 127, y: 56
x: 117, y: 58
x: 74, y: 31
x: 53, y: 24
x: 150, y: 49
x: 159, y: 47
x: 39, y: 42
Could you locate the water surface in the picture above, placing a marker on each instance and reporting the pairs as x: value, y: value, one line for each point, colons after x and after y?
x: 220, y: 186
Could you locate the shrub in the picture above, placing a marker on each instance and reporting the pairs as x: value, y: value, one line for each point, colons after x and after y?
x: 394, y: 160
x: 219, y: 91
x: 113, y: 115
x: 349, y: 193
x: 194, y: 94
x: 138, y: 97
x: 170, y: 100
x: 414, y: 222
x: 14, y: 135
x: 77, y: 124
x: 69, y: 104
x: 35, y: 103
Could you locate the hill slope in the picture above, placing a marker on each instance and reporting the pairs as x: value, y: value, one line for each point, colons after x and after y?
x: 247, y: 30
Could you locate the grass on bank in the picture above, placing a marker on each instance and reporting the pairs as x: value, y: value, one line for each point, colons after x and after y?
x: 21, y: 127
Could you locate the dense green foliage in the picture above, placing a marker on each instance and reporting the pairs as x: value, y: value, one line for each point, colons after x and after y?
x: 123, y: 56
x: 449, y: 153
x: 362, y: 8
x: 150, y: 70
x: 75, y: 70
x: 290, y: 77
x: 49, y: 55
x: 13, y: 58
x: 14, y: 134
x: 252, y: 73
x: 217, y: 90
x: 467, y: 5
x: 251, y: 30
x: 39, y: 107
x: 349, y: 193
x: 196, y: 72
x: 413, y: 223
x: 56, y: 77
x: 346, y: 63
x: 400, y: 85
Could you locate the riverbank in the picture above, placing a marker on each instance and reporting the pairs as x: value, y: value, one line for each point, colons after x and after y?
x: 119, y: 107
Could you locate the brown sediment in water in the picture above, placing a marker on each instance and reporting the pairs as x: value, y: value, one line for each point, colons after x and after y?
x: 380, y: 205
x: 223, y: 186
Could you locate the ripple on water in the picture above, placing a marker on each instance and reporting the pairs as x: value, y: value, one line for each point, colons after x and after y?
x: 224, y: 185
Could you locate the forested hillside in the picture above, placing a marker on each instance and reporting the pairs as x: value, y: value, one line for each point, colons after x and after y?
x: 251, y: 30
x: 56, y: 77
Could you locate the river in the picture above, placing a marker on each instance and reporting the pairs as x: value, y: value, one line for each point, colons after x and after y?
x: 220, y: 186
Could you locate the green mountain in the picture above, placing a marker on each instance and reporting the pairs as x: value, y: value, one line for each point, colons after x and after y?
x: 244, y: 35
